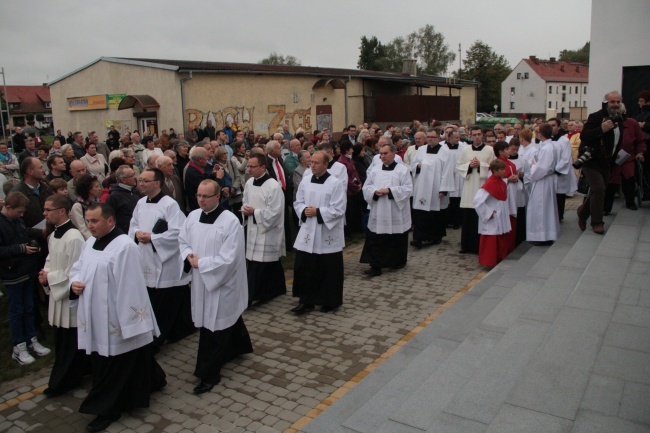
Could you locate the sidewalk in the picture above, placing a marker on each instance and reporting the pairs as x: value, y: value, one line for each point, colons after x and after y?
x: 554, y: 339
x: 299, y: 363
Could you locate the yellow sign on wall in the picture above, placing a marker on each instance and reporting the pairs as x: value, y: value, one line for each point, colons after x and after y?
x: 115, y: 99
x: 81, y: 103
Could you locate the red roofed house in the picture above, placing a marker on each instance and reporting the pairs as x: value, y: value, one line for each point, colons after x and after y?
x: 24, y: 100
x: 546, y: 88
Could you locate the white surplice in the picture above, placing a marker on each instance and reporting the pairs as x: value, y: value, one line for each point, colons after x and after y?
x: 389, y: 215
x: 337, y: 170
x: 63, y: 254
x: 493, y: 214
x: 163, y: 266
x: 114, y: 315
x: 376, y: 161
x: 542, y: 221
x: 265, y: 240
x: 459, y: 181
x: 219, y: 284
x: 477, y: 177
x: 567, y: 183
x: 330, y: 199
x: 436, y: 175
x: 522, y: 167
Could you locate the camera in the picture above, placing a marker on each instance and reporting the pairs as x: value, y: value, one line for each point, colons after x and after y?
x: 586, y: 156
x: 34, y: 244
x: 615, y: 119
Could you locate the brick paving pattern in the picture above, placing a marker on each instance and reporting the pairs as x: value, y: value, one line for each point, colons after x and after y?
x: 299, y: 362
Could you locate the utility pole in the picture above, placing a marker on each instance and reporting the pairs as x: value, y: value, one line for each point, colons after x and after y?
x: 459, y: 61
x: 5, y: 109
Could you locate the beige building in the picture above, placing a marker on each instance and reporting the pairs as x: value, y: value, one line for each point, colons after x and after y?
x: 161, y: 94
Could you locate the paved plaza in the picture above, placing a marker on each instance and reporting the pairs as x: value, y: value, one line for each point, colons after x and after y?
x: 300, y: 365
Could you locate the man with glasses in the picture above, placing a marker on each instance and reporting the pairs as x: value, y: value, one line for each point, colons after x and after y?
x: 64, y: 247
x: 264, y: 207
x: 196, y: 172
x: 212, y: 246
x: 155, y: 225
x: 123, y: 196
x: 433, y: 179
x: 474, y: 167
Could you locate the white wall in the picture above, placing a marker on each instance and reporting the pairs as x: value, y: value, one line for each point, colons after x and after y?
x: 619, y: 37
x: 524, y: 88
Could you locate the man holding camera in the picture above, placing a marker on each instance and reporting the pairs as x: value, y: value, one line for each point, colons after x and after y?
x: 601, y: 139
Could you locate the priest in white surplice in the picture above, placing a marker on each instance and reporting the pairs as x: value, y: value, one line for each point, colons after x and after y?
x: 567, y: 183
x: 474, y: 166
x: 318, y: 269
x: 212, y: 245
x: 542, y: 221
x: 455, y: 147
x: 263, y: 207
x: 433, y: 179
x: 64, y: 246
x: 335, y: 168
x: 387, y: 190
x: 157, y: 220
x: 115, y: 322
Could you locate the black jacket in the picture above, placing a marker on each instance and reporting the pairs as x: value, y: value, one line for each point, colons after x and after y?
x: 34, y: 212
x: 14, y: 262
x: 602, y: 143
x: 123, y: 203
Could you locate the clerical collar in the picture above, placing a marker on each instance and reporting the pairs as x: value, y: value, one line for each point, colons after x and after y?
x: 433, y: 149
x: 157, y: 198
x: 514, y: 157
x: 125, y: 186
x: 479, y: 148
x: 260, y: 180
x: 330, y: 164
x: 101, y: 243
x: 211, y: 216
x: 320, y: 180
x: 389, y: 167
x: 60, y: 230
x: 452, y: 146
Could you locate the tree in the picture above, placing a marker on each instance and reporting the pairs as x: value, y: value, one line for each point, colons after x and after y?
x: 578, y: 56
x: 30, y: 119
x: 40, y: 117
x: 488, y: 68
x: 278, y: 59
x: 424, y: 45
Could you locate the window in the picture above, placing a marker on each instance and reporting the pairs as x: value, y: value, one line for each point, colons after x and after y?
x: 549, y: 104
x: 550, y: 89
x: 48, y: 105
x: 556, y: 105
x: 584, y: 103
x: 577, y: 91
x: 564, y: 88
x: 512, y: 90
x: 519, y: 75
x: 563, y: 97
x: 512, y: 105
x: 526, y: 75
x: 557, y: 90
x: 584, y: 90
x: 570, y: 90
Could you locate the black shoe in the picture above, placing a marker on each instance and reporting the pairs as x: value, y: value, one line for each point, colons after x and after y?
x: 203, y: 387
x: 464, y: 252
x: 397, y: 267
x: 302, y: 309
x: 456, y: 227
x: 632, y: 207
x: 416, y: 244
x: 436, y: 241
x: 50, y: 393
x: 326, y: 309
x: 373, y: 272
x: 101, y: 423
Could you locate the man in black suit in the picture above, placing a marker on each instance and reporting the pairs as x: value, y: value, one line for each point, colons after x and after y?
x: 276, y: 169
x: 30, y: 150
x: 196, y: 172
x: 173, y: 186
x: 209, y: 131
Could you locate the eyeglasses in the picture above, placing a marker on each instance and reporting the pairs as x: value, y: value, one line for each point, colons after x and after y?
x: 432, y: 136
x: 203, y: 196
x: 51, y: 210
x: 253, y: 166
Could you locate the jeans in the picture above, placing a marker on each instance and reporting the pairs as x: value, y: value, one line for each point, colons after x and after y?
x: 593, y: 206
x: 21, y: 311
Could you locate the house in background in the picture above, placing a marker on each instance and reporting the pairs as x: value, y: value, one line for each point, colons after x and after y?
x: 546, y: 88
x: 24, y: 100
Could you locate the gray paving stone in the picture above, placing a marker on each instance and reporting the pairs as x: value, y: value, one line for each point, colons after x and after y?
x: 549, y: 261
x: 448, y: 423
x: 594, y: 422
x: 513, y: 419
x: 555, y: 380
x: 390, y: 426
x: 484, y: 393
x: 427, y: 401
x: 603, y: 394
x: 600, y: 285
x: 629, y: 296
x: 506, y: 313
x: 620, y: 241
x: 632, y: 315
x: 636, y: 402
x: 548, y: 301
x: 636, y: 281
x: 625, y: 364
x: 628, y: 337
x: 582, y: 252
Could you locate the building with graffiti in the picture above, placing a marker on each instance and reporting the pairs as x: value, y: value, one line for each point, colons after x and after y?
x: 161, y: 94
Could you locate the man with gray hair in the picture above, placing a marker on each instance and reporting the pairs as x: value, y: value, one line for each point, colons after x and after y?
x: 77, y: 169
x: 123, y: 196
x: 196, y: 172
x: 173, y: 185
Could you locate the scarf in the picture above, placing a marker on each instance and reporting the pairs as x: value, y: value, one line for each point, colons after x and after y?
x: 496, y: 187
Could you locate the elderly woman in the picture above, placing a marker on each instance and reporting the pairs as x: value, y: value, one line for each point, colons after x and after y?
x: 239, y: 163
x: 8, y: 162
x: 182, y: 149
x: 227, y: 190
x: 304, y: 160
x: 67, y: 152
x: 95, y: 162
x: 88, y: 192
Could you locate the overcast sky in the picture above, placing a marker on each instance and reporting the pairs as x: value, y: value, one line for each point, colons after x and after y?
x: 41, y: 41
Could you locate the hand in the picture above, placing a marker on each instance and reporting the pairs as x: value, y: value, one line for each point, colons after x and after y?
x: 642, y: 125
x: 247, y: 210
x: 194, y: 261
x: 225, y: 192
x: 474, y: 163
x: 220, y: 173
x: 420, y: 166
x: 607, y: 125
x: 514, y: 178
x: 311, y: 211
x: 31, y: 250
x: 78, y: 287
x: 383, y: 191
x: 640, y: 156
x: 42, y: 277
x: 143, y: 237
x: 441, y: 195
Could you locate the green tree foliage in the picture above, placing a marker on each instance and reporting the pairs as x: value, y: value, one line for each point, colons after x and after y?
x: 30, y: 118
x: 488, y: 68
x: 278, y: 59
x: 424, y: 45
x: 579, y: 56
x: 40, y: 117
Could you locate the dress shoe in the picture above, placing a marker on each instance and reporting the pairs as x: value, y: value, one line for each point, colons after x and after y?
x: 416, y: 244
x: 373, y: 272
x: 632, y: 207
x: 203, y: 387
x: 606, y: 213
x: 599, y: 229
x: 327, y: 309
x: 302, y: 309
x: 464, y: 252
x: 397, y: 267
x: 101, y: 423
x: 436, y: 241
x: 50, y: 393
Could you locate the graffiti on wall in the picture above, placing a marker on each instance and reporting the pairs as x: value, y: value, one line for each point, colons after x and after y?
x: 244, y: 117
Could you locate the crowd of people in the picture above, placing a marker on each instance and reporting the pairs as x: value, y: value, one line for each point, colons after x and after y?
x: 140, y: 240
